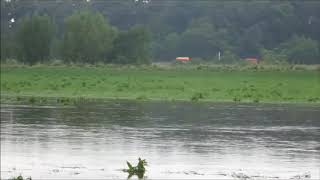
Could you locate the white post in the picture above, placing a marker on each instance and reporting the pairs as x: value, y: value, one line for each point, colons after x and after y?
x: 219, y: 55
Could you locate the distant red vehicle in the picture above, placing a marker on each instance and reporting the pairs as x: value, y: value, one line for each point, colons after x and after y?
x: 252, y: 60
x: 184, y: 59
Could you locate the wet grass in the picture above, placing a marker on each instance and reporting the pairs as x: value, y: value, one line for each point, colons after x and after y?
x: 154, y: 83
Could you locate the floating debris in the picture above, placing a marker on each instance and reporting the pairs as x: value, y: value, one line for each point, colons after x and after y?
x: 192, y: 172
x: 186, y: 173
x: 55, y: 170
x: 222, y: 174
x: 72, y: 167
x: 306, y: 175
x: 241, y: 176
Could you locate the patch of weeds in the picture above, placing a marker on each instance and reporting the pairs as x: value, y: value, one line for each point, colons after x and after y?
x: 20, y: 178
x: 200, y: 67
x: 288, y: 98
x: 313, y: 99
x: 276, y: 93
x: 122, y: 86
x: 215, y: 89
x: 197, y: 96
x: 142, y: 97
x: 64, y: 101
x: 80, y: 100
x: 32, y: 100
x: 181, y: 88
x: 236, y: 99
x: 43, y: 100
x: 54, y: 87
x: 18, y: 98
x: 65, y: 84
x: 138, y: 170
x: 256, y: 100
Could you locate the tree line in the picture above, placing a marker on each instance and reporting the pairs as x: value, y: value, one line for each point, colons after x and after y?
x: 88, y: 38
x: 131, y: 31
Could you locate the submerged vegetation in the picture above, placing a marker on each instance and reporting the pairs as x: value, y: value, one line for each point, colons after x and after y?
x: 189, y: 83
x: 138, y: 170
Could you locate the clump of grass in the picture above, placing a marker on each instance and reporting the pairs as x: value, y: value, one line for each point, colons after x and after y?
x: 122, y: 86
x: 18, y: 98
x: 138, y: 170
x: 80, y: 100
x: 64, y: 101
x: 256, y: 100
x: 32, y: 100
x: 313, y: 99
x: 215, y: 89
x: 236, y: 99
x: 197, y: 96
x: 43, y: 100
x: 142, y: 97
x: 20, y: 178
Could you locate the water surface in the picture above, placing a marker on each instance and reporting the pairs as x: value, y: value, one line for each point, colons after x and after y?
x: 179, y: 140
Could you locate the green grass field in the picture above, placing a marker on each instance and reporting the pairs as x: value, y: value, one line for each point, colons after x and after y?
x: 161, y: 84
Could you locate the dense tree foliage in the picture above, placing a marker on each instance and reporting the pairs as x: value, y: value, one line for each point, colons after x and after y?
x: 87, y: 37
x: 301, y: 49
x: 273, y: 30
x: 34, y: 39
x: 132, y: 46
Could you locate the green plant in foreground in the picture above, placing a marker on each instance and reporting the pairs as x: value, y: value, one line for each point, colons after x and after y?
x: 138, y: 170
x: 20, y: 178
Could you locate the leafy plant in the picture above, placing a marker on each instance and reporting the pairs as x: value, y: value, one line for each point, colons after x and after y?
x: 197, y: 96
x: 138, y: 170
x: 20, y: 178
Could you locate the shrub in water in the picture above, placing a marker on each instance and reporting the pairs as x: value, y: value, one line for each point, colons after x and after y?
x: 138, y: 170
x: 20, y: 178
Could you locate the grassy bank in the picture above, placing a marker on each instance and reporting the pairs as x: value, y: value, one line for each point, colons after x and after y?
x: 200, y: 83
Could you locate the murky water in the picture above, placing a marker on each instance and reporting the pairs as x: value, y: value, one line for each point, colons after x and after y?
x: 179, y: 140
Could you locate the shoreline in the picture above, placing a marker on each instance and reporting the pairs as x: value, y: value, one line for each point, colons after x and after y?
x: 67, y: 100
x: 171, y: 66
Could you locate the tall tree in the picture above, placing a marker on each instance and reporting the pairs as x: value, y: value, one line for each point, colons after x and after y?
x: 133, y: 46
x: 301, y: 50
x: 88, y: 37
x: 34, y: 38
x: 242, y: 27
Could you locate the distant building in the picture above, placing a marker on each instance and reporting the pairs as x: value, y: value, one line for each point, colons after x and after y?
x: 183, y: 59
x: 252, y: 60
